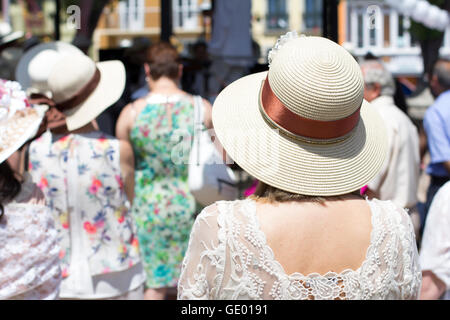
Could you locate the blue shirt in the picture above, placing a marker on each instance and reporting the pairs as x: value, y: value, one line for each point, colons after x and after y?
x: 437, y: 127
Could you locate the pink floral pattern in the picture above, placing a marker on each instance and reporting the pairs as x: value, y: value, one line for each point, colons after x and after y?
x: 103, y: 209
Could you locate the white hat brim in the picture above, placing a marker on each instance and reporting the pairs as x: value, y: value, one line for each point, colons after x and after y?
x: 289, y: 164
x: 22, y: 73
x: 29, y: 128
x: 108, y: 91
x: 13, y: 36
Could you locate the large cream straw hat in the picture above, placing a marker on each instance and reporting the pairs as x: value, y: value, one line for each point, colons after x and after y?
x: 304, y: 126
x: 83, y: 89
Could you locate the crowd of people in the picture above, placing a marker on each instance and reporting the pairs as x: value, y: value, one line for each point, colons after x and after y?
x: 332, y: 211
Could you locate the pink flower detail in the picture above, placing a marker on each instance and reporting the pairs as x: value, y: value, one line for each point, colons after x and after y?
x: 96, y: 185
x: 90, y: 228
x: 99, y: 224
x: 43, y: 184
x: 119, y: 181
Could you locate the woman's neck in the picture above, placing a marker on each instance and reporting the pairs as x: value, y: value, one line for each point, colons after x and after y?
x: 91, y: 126
x: 164, y: 86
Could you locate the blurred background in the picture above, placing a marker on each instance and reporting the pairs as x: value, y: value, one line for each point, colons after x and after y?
x: 231, y: 36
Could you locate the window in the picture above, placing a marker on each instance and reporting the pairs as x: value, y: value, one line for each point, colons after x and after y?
x: 277, y: 17
x: 131, y: 14
x: 185, y: 14
x: 313, y: 14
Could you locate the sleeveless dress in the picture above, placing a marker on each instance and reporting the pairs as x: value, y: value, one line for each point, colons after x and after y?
x: 163, y: 206
x: 29, y: 250
x: 81, y: 179
x: 229, y: 259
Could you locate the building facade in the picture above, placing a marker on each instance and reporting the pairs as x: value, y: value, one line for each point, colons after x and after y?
x: 126, y: 19
x: 375, y: 27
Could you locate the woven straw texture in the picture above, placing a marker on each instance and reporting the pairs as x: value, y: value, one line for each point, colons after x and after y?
x: 330, y: 82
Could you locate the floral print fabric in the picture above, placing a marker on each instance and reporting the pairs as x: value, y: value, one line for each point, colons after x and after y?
x: 163, y: 206
x: 91, y: 211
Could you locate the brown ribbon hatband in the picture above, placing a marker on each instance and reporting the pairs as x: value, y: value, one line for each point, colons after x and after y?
x: 300, y: 126
x: 81, y: 95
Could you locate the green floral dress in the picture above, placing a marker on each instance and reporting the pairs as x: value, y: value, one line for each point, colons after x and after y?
x: 163, y: 207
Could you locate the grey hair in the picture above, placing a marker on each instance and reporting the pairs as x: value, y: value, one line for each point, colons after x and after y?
x: 375, y: 72
x: 442, y: 71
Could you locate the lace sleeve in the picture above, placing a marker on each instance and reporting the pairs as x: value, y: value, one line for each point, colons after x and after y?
x: 29, y: 254
x: 410, y: 276
x: 204, y: 260
x: 399, y: 252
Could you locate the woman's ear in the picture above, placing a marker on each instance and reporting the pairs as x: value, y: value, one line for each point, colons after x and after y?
x: 180, y: 71
x: 147, y: 70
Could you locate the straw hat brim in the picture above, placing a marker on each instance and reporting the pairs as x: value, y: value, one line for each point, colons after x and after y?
x: 108, y: 91
x: 22, y: 74
x: 290, y: 164
x: 24, y: 129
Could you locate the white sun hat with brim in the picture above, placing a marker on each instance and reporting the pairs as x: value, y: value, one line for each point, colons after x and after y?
x: 83, y: 89
x: 19, y: 121
x: 35, y: 65
x: 303, y: 126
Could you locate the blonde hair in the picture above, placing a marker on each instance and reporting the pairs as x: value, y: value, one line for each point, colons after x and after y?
x: 268, y: 194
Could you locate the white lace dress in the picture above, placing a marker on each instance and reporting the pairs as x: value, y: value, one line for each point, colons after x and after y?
x: 29, y: 263
x: 229, y: 259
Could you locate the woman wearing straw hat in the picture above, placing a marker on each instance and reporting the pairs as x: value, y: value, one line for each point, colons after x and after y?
x: 88, y: 178
x: 29, y: 248
x: 304, y: 130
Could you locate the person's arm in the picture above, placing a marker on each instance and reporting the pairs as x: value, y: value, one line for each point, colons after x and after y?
x: 204, y: 261
x: 447, y: 166
x: 432, y: 287
x: 125, y: 122
x: 209, y: 125
x: 434, y: 257
x: 127, y: 168
x: 438, y: 143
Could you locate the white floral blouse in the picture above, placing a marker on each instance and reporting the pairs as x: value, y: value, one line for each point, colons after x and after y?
x: 80, y: 176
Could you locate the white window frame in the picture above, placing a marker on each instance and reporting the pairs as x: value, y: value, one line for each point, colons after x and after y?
x: 189, y: 10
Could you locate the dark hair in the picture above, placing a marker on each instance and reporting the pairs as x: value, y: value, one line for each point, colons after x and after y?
x: 267, y: 193
x: 442, y: 71
x: 10, y: 186
x: 163, y: 60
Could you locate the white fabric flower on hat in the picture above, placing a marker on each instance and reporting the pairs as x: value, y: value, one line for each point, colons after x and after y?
x: 291, y: 35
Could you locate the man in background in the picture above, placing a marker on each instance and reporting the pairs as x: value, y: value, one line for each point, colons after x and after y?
x: 399, y: 177
x: 437, y: 128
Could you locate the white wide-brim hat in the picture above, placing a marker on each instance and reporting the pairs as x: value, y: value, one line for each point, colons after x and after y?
x: 19, y: 121
x: 71, y: 73
x: 316, y: 84
x: 35, y: 65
